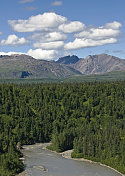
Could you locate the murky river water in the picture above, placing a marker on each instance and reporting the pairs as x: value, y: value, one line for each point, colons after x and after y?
x: 40, y: 162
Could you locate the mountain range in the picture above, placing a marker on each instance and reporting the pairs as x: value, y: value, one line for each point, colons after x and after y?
x: 24, y: 66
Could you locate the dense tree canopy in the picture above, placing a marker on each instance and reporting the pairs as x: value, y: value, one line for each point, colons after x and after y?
x: 89, y: 117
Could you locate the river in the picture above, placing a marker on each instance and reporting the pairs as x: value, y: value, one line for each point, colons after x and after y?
x: 41, y: 162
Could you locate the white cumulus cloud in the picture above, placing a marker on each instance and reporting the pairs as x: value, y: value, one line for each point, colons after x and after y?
x: 83, y: 43
x: 95, y: 36
x: 10, y: 53
x: 49, y: 37
x: 43, y: 54
x: 41, y: 22
x: 14, y: 40
x: 57, y: 3
x: 52, y: 34
x: 98, y: 33
x: 113, y: 25
x: 50, y: 45
x: 107, y: 31
x: 74, y: 26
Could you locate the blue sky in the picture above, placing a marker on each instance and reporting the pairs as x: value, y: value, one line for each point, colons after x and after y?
x: 47, y: 29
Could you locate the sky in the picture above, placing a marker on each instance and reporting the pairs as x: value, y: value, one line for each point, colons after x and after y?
x: 48, y: 29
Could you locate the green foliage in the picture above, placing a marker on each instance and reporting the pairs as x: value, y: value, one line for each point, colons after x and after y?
x: 111, y: 76
x: 88, y: 117
x: 77, y: 155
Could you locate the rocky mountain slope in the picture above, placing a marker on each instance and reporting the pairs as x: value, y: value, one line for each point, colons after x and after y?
x: 22, y: 66
x: 68, y: 60
x: 98, y: 64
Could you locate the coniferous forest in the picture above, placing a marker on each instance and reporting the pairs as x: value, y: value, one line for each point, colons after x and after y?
x: 88, y: 117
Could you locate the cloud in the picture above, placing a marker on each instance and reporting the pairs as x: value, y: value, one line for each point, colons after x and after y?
x: 47, y: 54
x: 98, y: 36
x: 83, y: 43
x: 10, y: 53
x: 113, y: 25
x: 1, y: 33
x: 74, y: 26
x: 25, y: 1
x: 107, y: 31
x: 41, y: 22
x: 49, y: 37
x: 99, y: 33
x: 52, y: 33
x: 14, y: 40
x: 50, y: 45
x: 57, y: 3
x: 43, y: 54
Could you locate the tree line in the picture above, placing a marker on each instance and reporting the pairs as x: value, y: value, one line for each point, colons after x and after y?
x: 86, y: 117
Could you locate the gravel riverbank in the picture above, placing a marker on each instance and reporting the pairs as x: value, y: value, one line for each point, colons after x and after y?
x: 67, y: 154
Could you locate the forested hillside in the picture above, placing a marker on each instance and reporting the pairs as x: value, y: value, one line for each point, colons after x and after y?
x: 89, y: 117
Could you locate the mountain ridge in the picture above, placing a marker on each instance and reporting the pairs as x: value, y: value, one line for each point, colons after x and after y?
x: 99, y: 64
x: 24, y: 66
x: 68, y: 59
x: 15, y: 66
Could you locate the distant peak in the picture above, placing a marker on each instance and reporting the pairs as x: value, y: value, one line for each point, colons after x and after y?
x: 90, y: 57
x: 17, y: 56
x: 97, y: 55
x: 68, y: 59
